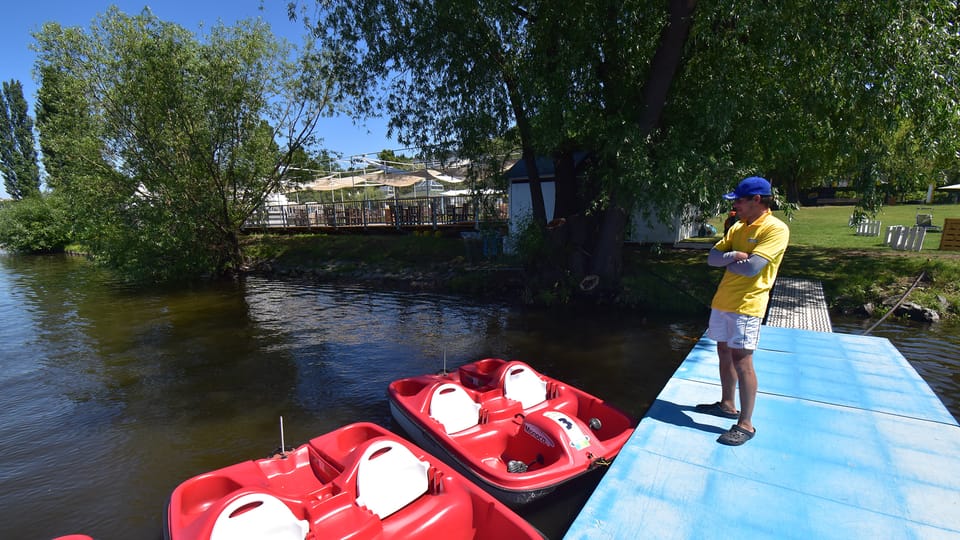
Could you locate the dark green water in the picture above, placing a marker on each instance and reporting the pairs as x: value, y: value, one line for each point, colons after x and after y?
x: 110, y: 396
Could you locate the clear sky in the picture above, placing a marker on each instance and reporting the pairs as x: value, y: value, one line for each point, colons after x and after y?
x: 21, y: 18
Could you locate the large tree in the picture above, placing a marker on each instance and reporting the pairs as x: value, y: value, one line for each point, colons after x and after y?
x: 165, y: 143
x: 807, y: 92
x: 673, y: 101
x: 18, y: 155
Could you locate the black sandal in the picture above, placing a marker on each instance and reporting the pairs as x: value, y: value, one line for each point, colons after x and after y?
x: 716, y: 410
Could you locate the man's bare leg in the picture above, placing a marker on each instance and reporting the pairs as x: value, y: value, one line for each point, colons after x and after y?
x: 728, y: 377
x: 742, y: 360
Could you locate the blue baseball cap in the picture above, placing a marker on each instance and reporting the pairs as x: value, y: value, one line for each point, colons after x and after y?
x: 748, y: 187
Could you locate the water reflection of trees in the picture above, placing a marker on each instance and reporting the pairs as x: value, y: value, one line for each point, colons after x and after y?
x: 156, y: 353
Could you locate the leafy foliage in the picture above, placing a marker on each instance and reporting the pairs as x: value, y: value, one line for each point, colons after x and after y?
x: 676, y: 101
x: 35, y: 224
x: 809, y: 93
x: 164, y: 144
x: 18, y: 156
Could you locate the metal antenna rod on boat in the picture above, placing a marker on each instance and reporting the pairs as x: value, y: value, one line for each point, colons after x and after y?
x: 283, y: 449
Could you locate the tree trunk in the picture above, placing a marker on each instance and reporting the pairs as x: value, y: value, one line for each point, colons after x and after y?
x: 528, y: 153
x: 590, y: 248
x: 665, y: 63
x: 607, y: 257
x: 569, y: 200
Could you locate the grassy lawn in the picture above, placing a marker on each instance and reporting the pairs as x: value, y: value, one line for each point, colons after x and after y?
x: 826, y: 226
x: 854, y: 269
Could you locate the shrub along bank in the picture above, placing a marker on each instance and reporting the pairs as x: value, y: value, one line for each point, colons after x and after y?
x: 655, y: 279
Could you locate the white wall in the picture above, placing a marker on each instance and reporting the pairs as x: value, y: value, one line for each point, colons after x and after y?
x: 521, y: 205
x: 643, y: 228
x: 646, y: 228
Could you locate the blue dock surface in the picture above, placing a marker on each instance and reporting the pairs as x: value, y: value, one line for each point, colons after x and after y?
x: 851, y: 443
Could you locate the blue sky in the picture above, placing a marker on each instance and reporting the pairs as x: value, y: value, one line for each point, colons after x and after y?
x: 20, y: 19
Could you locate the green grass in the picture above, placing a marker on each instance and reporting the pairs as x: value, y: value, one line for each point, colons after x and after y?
x: 856, y: 270
x: 394, y: 260
x: 827, y: 226
x: 383, y: 251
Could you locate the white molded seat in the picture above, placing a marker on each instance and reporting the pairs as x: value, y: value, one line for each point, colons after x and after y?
x: 453, y: 407
x: 522, y: 384
x: 390, y: 477
x: 266, y: 518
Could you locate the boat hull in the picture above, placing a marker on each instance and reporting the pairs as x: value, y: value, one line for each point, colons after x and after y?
x: 518, y: 449
x: 354, y: 482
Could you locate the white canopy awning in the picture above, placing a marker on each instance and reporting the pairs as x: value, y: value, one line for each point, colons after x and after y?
x: 951, y: 187
x: 333, y: 182
x: 403, y: 177
x: 383, y: 173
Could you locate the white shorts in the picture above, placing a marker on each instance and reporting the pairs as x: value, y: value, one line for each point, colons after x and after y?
x: 738, y: 331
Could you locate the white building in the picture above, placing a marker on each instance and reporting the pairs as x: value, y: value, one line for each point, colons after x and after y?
x: 644, y: 227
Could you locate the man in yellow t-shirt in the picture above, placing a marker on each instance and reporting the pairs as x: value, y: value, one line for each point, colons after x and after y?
x: 750, y: 251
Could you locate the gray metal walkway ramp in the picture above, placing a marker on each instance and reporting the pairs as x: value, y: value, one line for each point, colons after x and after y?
x: 798, y: 303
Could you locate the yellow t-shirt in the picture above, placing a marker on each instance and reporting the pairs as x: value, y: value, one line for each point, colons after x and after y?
x: 767, y: 237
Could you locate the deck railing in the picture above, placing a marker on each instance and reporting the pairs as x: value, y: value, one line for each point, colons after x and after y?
x: 399, y: 213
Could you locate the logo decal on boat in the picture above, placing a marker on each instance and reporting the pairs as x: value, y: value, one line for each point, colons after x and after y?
x: 538, y: 434
x: 578, y: 439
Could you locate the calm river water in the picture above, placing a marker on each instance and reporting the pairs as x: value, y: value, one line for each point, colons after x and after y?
x: 110, y: 396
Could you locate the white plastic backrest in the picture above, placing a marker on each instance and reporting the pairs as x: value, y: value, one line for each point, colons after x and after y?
x: 453, y: 407
x: 523, y: 385
x: 267, y: 518
x: 389, y: 477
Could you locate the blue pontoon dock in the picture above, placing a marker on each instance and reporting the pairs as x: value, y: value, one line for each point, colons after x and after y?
x: 851, y: 443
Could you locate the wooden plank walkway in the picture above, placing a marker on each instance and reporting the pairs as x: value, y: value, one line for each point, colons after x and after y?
x: 798, y: 303
x: 851, y: 443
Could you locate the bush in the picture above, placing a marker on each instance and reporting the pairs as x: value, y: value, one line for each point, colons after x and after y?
x: 35, y: 224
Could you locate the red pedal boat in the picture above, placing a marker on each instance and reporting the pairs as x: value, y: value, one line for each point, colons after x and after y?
x: 359, y: 482
x: 513, y: 431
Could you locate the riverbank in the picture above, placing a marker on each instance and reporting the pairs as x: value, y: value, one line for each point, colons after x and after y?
x: 400, y: 262
x: 856, y: 282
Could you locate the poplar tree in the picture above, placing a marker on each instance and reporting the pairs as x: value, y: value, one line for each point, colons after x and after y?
x: 18, y: 155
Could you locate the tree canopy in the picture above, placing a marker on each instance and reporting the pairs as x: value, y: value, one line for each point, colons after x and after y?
x: 164, y: 142
x: 675, y: 101
x: 810, y: 92
x: 18, y: 155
